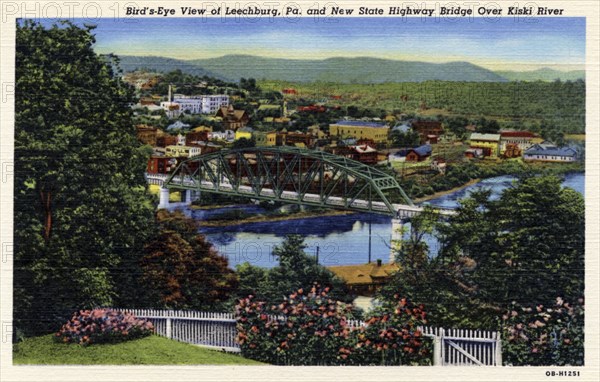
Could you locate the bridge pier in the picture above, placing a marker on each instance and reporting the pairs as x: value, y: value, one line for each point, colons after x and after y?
x: 396, y: 240
x: 164, y: 198
x: 187, y: 197
x: 190, y: 196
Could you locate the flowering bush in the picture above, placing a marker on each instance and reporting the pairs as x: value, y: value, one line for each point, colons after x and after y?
x: 538, y: 336
x: 103, y: 325
x: 304, y: 329
x: 312, y: 329
x: 391, y: 336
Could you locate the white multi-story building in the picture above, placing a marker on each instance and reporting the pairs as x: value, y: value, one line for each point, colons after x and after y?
x: 182, y: 151
x: 202, y: 104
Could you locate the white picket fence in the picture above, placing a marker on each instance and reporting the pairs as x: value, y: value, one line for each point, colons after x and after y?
x: 206, y: 329
x: 218, y: 331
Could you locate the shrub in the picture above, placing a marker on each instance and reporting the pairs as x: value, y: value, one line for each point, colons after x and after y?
x: 540, y: 336
x: 391, y: 336
x: 88, y: 327
x: 304, y: 329
x: 313, y: 329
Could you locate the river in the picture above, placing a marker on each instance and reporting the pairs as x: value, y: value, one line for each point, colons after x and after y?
x: 341, y: 239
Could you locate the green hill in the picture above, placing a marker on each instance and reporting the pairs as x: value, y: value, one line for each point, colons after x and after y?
x: 164, y: 65
x: 345, y: 70
x: 543, y: 74
x: 337, y: 69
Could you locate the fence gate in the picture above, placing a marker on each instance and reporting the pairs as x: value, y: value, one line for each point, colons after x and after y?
x: 457, y: 347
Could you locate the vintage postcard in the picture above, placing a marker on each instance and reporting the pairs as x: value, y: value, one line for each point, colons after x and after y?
x: 344, y: 190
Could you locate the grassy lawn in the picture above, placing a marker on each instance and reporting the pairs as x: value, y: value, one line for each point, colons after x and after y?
x: 153, y: 350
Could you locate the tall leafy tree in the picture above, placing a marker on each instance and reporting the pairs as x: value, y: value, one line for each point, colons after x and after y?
x: 181, y: 270
x: 81, y: 206
x: 526, y: 247
x: 296, y: 270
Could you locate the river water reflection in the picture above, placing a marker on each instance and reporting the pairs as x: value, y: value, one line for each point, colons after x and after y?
x: 342, y: 239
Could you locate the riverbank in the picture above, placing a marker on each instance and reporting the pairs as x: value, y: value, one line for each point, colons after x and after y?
x: 439, y: 194
x: 273, y: 218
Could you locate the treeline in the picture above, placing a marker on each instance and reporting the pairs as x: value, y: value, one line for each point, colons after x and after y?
x: 525, y: 105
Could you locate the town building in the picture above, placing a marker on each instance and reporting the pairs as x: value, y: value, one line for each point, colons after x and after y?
x: 196, y: 136
x: 365, y: 279
x: 202, y: 128
x: 178, y: 125
x: 244, y: 132
x: 227, y: 135
x: 268, y: 138
x: 550, y: 153
x: 365, y: 154
x: 474, y: 153
x: 198, y: 104
x: 299, y: 139
x: 182, y: 151
x: 161, y: 164
x: 488, y: 143
x: 428, y: 131
x: 232, y: 119
x: 146, y: 134
x: 398, y: 156
x: 166, y: 140
x: 172, y: 109
x: 205, y: 147
x: 522, y: 139
x: 378, y: 132
x: 419, y: 154
x: 402, y: 128
x: 315, y: 131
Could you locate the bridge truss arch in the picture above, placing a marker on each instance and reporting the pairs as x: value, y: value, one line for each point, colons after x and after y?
x: 291, y: 175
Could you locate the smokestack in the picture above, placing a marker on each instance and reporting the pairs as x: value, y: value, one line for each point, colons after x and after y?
x: 170, y: 95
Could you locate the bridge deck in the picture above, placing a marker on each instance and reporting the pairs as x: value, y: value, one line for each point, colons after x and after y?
x: 189, y: 183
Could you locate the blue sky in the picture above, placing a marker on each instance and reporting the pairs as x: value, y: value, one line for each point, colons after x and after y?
x: 501, y: 43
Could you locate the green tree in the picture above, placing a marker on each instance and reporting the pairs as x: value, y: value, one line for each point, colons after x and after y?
x: 408, y: 139
x: 82, y: 211
x: 181, y: 270
x: 251, y: 278
x: 243, y: 143
x: 296, y: 270
x: 249, y: 85
x: 526, y: 247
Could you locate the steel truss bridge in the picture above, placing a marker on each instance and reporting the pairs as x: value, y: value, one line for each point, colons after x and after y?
x: 295, y: 176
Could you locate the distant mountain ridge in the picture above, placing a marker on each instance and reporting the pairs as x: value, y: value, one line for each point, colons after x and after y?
x: 543, y: 74
x: 345, y: 70
x: 163, y: 64
x: 336, y: 69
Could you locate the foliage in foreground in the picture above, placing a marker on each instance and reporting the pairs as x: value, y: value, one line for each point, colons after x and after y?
x: 152, y: 350
x: 296, y: 270
x: 181, y: 270
x: 82, y: 212
x: 544, y: 335
x: 527, y: 246
x: 96, y: 326
x: 310, y: 328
